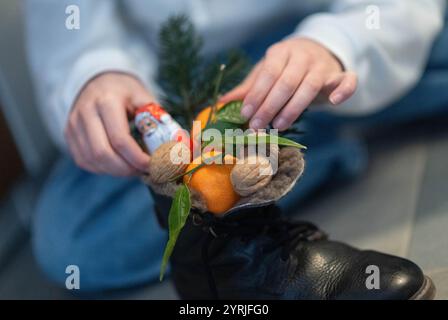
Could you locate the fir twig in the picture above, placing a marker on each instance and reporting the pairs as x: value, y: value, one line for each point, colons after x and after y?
x: 180, y: 64
x: 187, y: 80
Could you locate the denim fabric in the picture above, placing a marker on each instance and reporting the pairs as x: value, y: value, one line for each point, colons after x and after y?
x: 104, y: 225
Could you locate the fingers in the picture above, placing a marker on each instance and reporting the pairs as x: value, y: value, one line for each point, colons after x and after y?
x: 76, y: 145
x: 305, y: 94
x: 99, y: 152
x: 338, y: 89
x: 114, y: 119
x: 345, y: 89
x: 271, y: 69
x: 293, y: 74
x: 97, y: 131
x: 281, y: 92
x: 331, y: 84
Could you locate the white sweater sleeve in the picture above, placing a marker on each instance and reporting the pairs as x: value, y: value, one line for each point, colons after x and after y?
x: 63, y: 61
x: 388, y: 61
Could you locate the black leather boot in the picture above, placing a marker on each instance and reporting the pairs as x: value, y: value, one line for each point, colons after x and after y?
x: 259, y: 254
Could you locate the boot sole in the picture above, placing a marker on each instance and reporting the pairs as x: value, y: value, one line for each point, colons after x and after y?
x: 426, y: 292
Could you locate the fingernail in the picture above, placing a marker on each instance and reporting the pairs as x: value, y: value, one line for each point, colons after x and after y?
x: 280, y: 124
x: 336, y: 99
x: 256, y: 124
x: 247, y: 111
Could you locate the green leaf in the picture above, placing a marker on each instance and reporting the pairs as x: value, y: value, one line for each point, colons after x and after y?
x: 285, y: 142
x: 281, y: 141
x: 249, y: 140
x: 231, y: 112
x: 180, y: 209
x: 221, y: 126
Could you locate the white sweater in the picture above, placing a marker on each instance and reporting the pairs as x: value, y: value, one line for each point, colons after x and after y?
x: 388, y: 60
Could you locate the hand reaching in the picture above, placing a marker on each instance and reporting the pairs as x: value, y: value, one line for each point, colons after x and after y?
x: 293, y: 73
x: 97, y: 131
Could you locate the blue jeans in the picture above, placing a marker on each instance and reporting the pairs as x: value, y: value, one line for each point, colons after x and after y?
x: 107, y: 227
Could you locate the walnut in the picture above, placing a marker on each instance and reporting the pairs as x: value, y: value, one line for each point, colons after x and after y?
x: 168, y: 161
x: 251, y: 175
x: 271, y: 151
x: 272, y: 155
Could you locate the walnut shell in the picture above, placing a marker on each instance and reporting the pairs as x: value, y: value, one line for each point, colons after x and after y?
x: 168, y: 161
x: 250, y: 176
x: 271, y: 153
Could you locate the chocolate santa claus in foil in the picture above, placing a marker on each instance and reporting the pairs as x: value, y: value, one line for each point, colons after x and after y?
x: 156, y: 126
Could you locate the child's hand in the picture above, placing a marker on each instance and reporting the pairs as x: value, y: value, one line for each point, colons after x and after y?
x: 293, y: 73
x: 97, y: 131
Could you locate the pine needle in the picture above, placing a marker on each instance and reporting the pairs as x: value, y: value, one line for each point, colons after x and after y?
x: 187, y: 79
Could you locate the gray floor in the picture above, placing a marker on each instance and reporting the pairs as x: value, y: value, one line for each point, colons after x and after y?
x: 399, y: 206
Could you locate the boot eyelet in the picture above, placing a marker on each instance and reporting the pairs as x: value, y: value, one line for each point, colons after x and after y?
x: 197, y: 219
